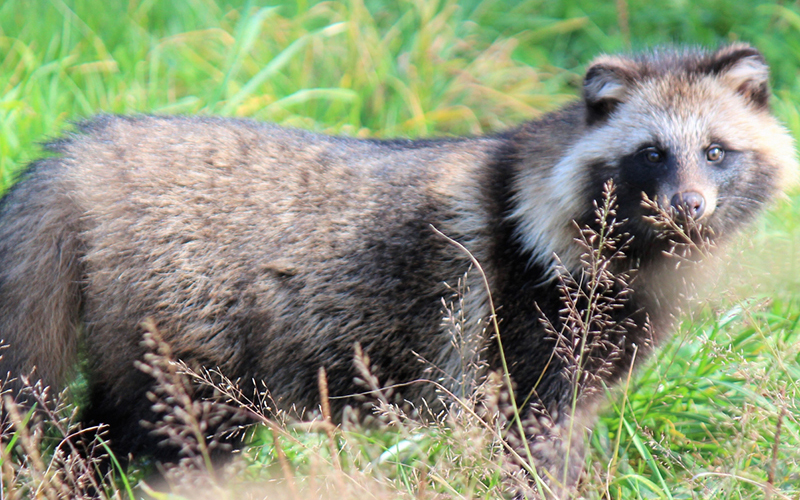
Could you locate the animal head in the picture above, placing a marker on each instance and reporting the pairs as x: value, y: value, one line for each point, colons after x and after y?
x: 690, y: 129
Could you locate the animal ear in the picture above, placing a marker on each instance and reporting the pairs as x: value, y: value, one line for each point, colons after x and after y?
x: 606, y: 85
x: 744, y: 69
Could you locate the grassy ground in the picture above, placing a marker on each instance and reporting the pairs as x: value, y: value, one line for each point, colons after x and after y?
x: 715, y: 416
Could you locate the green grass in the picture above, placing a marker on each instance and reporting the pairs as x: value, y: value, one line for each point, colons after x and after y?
x: 699, y: 421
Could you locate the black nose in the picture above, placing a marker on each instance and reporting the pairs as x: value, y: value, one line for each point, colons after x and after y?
x: 689, y: 204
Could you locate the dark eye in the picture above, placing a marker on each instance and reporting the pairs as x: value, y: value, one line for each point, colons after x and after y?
x: 714, y: 154
x: 652, y: 155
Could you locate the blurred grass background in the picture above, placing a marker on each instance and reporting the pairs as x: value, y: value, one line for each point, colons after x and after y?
x: 702, y: 420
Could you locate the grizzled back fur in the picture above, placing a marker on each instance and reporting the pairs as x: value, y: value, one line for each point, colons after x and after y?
x: 270, y: 252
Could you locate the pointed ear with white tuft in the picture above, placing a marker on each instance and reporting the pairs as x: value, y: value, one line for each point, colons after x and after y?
x: 744, y: 69
x: 606, y: 85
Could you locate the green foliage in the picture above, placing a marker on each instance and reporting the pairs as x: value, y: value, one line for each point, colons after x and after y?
x: 701, y: 420
x: 702, y: 417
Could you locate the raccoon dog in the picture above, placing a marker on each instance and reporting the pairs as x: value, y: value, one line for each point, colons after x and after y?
x: 270, y: 252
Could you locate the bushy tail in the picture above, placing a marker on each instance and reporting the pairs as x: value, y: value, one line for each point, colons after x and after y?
x: 40, y: 275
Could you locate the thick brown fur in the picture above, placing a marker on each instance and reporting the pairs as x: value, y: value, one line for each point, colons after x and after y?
x: 270, y: 252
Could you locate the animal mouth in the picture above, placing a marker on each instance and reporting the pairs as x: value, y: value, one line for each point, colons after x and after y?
x: 687, y: 216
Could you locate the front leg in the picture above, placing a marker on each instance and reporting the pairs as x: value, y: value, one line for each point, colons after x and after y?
x: 555, y: 447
